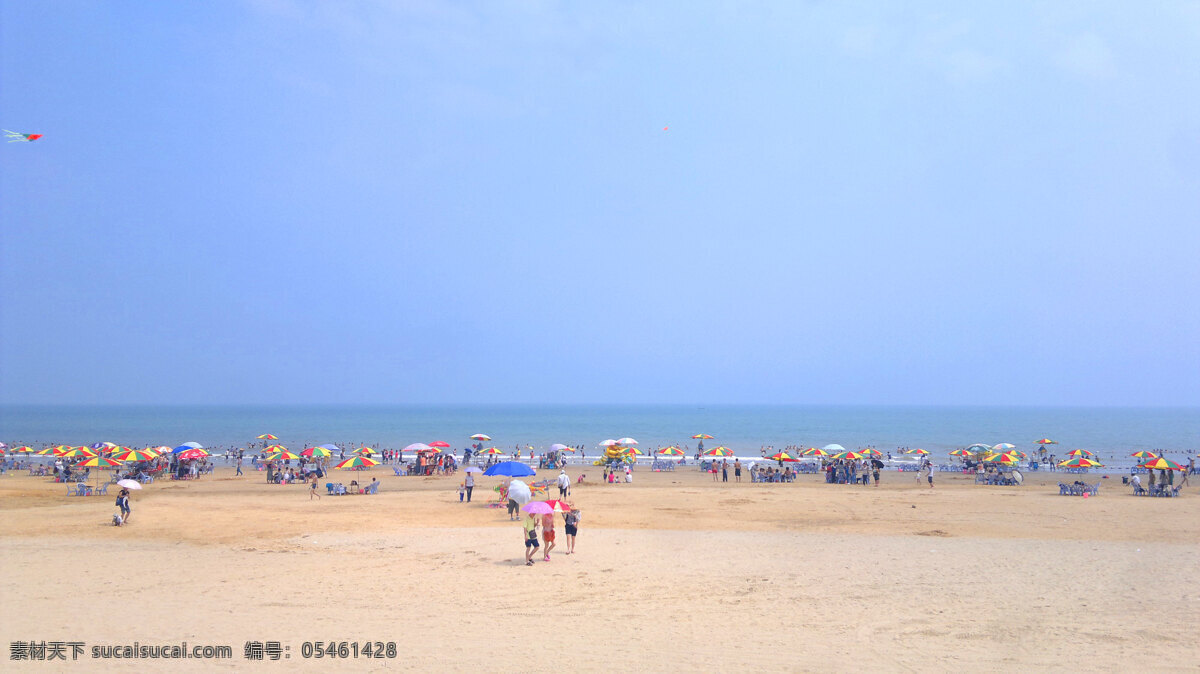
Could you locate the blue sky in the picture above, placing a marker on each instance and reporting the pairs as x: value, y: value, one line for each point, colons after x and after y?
x: 927, y: 203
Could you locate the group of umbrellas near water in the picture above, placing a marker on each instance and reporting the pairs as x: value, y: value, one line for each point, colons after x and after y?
x: 108, y: 455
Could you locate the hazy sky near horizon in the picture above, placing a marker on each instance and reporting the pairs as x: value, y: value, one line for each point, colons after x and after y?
x: 723, y: 202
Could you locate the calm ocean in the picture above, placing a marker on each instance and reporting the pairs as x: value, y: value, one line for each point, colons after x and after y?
x: 1114, y: 433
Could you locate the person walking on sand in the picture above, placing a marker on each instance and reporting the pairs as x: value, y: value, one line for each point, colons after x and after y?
x: 239, y: 465
x: 548, y: 534
x: 312, y: 491
x: 571, y: 528
x: 529, y: 524
x: 929, y: 474
x: 564, y: 484
x: 469, y: 483
x: 123, y: 504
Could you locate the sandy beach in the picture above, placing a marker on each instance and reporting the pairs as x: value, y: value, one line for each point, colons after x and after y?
x: 672, y: 572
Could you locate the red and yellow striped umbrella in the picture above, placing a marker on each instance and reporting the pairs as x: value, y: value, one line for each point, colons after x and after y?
x: 316, y: 451
x: 922, y: 452
x: 782, y: 456
x: 72, y: 452
x: 365, y: 451
x: 193, y: 453
x: 53, y: 450
x: 1144, y: 455
x: 98, y: 462
x: 1047, y: 441
x: 282, y: 456
x: 1080, y: 462
x: 702, y: 436
x: 24, y: 449
x: 813, y: 451
x: 274, y: 448
x: 1080, y: 452
x: 1161, y: 463
x: 959, y: 452
x: 1005, y: 457
x: 134, y: 455
x: 492, y: 450
x: 671, y: 451
x: 718, y: 451
x: 872, y: 452
x: 267, y: 436
x: 853, y: 456
x: 631, y: 450
x: 357, y: 462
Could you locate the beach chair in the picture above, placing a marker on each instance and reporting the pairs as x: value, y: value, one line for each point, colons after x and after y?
x: 1175, y: 490
x: 329, y: 488
x: 1064, y: 489
x: 102, y: 490
x: 372, y: 488
x: 397, y: 472
x: 1093, y: 490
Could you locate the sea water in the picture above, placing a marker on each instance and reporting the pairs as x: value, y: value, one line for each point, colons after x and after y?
x: 1113, y: 433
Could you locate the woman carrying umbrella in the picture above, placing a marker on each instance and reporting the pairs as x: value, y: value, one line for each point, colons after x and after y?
x: 571, y: 528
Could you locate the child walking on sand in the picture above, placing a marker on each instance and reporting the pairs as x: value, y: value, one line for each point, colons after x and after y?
x: 529, y: 524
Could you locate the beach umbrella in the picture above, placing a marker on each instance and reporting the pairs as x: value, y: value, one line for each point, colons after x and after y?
x: 362, y: 451
x: 1080, y: 462
x: 134, y: 455
x: 1019, y: 453
x: 98, y: 462
x: 519, y: 492
x: 537, y: 507
x: 1001, y: 457
x: 978, y: 447
x: 959, y: 452
x: 922, y: 452
x: 492, y: 450
x: 853, y: 456
x: 267, y: 436
x: 608, y: 443
x: 1047, y: 441
x: 1161, y: 463
x: 511, y: 469
x: 782, y: 456
x: 834, y: 448
x: 129, y: 484
x: 671, y: 451
x: 625, y: 442
x: 416, y: 447
x: 559, y: 447
x: 718, y: 451
x: 632, y: 450
x: 194, y: 453
x: 162, y: 449
x: 357, y: 462
x: 102, y: 445
x: 52, y: 450
x: 331, y: 447
x: 472, y: 469
x: 1144, y: 455
x: 274, y: 448
x: 24, y: 449
x: 277, y: 456
x: 1003, y: 447
x: 702, y: 436
x: 870, y: 451
x: 440, y: 443
x: 813, y: 451
x: 481, y: 437
x: 313, y: 452
x: 559, y: 506
x: 72, y: 452
x: 1080, y: 452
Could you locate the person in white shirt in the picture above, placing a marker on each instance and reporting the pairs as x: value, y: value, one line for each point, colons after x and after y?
x: 564, y: 484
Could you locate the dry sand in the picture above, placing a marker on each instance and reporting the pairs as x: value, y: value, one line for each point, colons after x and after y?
x: 672, y: 572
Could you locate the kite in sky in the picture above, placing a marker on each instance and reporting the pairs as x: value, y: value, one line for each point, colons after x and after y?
x: 14, y: 137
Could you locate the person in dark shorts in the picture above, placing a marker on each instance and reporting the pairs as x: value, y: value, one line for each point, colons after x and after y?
x: 529, y: 525
x: 571, y: 528
x: 123, y: 504
x: 737, y: 470
x: 876, y: 465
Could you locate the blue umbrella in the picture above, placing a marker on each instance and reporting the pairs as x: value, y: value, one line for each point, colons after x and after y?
x: 510, y: 468
x: 186, y: 446
x: 331, y: 447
